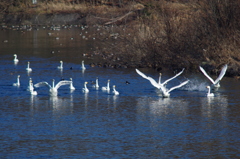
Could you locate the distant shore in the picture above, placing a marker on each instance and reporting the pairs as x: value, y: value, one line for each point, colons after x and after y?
x: 156, y: 35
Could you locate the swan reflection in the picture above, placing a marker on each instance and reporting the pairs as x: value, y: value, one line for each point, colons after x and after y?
x: 33, y: 103
x: 162, y: 106
x: 212, y: 106
x: 168, y: 106
x: 115, y: 97
x: 61, y: 105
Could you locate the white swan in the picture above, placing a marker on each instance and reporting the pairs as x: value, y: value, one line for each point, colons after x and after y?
x: 71, y: 85
x: 159, y: 80
x: 31, y: 88
x: 53, y: 90
x: 216, y: 83
x: 83, y: 67
x: 15, y: 58
x: 209, y: 94
x: 18, y: 81
x: 114, y: 91
x: 61, y: 65
x: 28, y: 67
x: 85, y: 89
x: 107, y: 88
x: 96, y: 84
x: 165, y: 91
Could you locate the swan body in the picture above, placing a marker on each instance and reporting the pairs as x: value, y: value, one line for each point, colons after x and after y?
x: 61, y: 65
x: 71, y: 85
x: 28, y: 67
x: 53, y: 90
x: 209, y: 94
x: 85, y: 89
x: 96, y: 84
x: 15, y: 58
x: 159, y: 80
x: 107, y: 88
x: 114, y: 91
x: 216, y: 83
x: 18, y: 81
x: 83, y: 67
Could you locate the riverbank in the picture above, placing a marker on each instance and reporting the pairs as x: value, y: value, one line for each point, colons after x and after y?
x: 158, y: 35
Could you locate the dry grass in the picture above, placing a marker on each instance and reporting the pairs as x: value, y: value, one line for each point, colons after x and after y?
x: 165, y: 33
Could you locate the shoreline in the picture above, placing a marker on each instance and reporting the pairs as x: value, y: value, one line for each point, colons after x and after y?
x: 146, y: 40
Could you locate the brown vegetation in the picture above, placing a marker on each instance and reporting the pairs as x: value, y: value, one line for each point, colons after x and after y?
x: 160, y: 34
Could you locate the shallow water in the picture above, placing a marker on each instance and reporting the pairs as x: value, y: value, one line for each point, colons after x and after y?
x: 138, y: 123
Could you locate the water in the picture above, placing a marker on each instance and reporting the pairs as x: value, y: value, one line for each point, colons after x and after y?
x: 136, y: 124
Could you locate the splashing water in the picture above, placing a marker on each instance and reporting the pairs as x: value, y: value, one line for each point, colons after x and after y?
x: 196, y: 85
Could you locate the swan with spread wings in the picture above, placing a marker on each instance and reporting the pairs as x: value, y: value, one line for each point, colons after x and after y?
x: 53, y: 90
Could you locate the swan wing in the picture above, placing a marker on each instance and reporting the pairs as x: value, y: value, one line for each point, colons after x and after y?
x: 61, y: 83
x: 205, y: 73
x: 41, y: 84
x: 223, y: 71
x: 178, y: 86
x: 152, y: 81
x: 141, y: 74
x: 165, y: 82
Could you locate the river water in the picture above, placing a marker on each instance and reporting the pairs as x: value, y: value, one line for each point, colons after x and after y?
x: 137, y: 123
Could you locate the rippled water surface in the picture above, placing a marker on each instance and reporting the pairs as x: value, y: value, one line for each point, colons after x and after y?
x: 138, y: 123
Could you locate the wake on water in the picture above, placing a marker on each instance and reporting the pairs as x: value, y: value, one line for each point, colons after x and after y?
x: 196, y: 85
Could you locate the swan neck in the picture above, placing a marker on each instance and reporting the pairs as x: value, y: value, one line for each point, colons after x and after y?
x: 159, y: 80
x: 53, y: 84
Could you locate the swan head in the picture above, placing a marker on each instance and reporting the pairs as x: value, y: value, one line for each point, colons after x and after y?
x: 15, y: 55
x: 28, y: 62
x: 61, y: 61
x: 70, y: 79
x: 208, y: 87
x: 18, y: 76
x: 86, y: 82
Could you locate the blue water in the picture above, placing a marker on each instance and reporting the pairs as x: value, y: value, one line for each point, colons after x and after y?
x: 138, y: 123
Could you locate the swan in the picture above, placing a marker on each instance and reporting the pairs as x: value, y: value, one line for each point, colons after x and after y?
x: 53, y: 90
x: 83, y: 67
x: 31, y: 88
x: 28, y: 67
x: 165, y: 91
x: 106, y: 88
x: 216, y: 83
x: 159, y: 80
x: 114, y: 91
x: 15, y: 58
x: 71, y: 85
x: 209, y: 94
x: 85, y: 89
x: 96, y: 84
x: 61, y: 65
x: 18, y: 81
